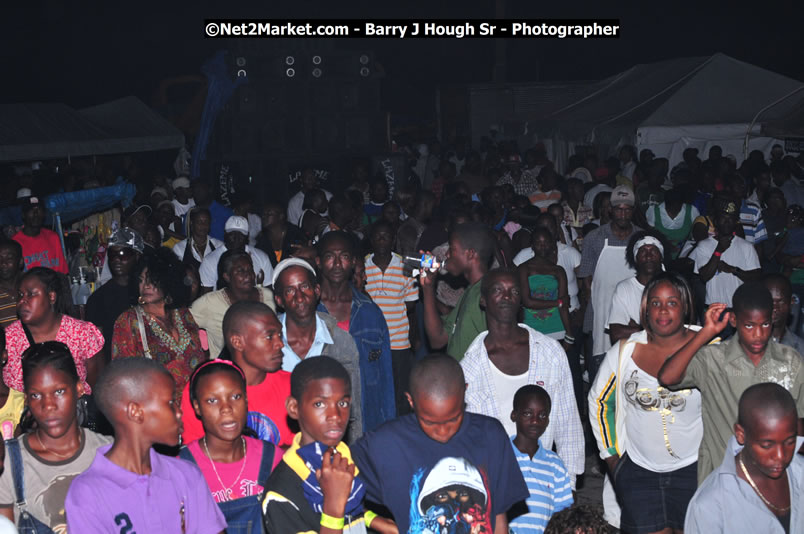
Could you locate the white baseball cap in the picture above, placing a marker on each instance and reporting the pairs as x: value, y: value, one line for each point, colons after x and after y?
x: 236, y: 223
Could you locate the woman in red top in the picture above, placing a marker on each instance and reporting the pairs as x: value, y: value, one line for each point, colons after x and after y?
x: 160, y: 315
x: 41, y: 307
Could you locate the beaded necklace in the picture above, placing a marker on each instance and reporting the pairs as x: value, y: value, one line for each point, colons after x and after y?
x: 165, y: 337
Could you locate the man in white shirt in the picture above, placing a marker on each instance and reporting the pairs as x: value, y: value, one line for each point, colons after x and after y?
x: 199, y: 244
x: 308, y: 181
x: 235, y: 237
x: 510, y: 355
x: 644, y: 253
x: 241, y: 205
x: 726, y: 262
x: 182, y: 201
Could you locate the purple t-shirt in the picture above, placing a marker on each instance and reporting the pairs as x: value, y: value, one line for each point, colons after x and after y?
x: 107, y: 498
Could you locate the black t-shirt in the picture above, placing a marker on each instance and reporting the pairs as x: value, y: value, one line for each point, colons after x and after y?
x: 104, y: 306
x: 433, y: 487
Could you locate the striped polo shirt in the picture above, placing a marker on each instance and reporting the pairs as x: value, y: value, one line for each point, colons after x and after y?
x: 390, y: 290
x: 549, y: 486
x: 753, y: 224
x: 8, y: 309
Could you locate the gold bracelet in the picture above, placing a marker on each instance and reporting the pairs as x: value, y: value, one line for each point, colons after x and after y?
x: 335, y: 523
x: 368, y: 517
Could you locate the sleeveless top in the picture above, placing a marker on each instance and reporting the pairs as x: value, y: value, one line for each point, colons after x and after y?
x: 547, y: 321
x: 677, y: 236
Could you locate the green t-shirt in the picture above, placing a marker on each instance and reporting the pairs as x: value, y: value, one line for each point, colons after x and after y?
x: 465, y: 322
x: 723, y: 372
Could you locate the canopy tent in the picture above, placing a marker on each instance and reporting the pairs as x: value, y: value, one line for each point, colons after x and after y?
x: 50, y: 131
x: 675, y: 104
x: 791, y: 125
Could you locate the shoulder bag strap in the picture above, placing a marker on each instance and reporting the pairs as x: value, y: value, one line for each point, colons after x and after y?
x: 267, y: 462
x: 141, y: 324
x: 185, y: 454
x: 28, y: 334
x: 188, y: 256
x: 17, y: 471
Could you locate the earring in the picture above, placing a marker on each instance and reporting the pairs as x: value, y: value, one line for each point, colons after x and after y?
x: 140, y: 300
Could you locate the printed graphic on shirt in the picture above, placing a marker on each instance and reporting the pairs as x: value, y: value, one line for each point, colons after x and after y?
x: 7, y: 428
x: 659, y: 399
x: 783, y: 374
x: 265, y: 428
x: 246, y: 488
x: 652, y: 399
x: 453, y: 498
x: 40, y: 259
x: 52, y: 498
x: 124, y: 522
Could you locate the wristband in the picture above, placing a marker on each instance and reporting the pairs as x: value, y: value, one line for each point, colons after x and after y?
x: 368, y: 517
x: 560, y: 303
x: 335, y: 523
x: 717, y: 254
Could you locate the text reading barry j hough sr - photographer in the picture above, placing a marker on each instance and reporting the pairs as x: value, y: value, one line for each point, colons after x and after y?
x: 406, y: 29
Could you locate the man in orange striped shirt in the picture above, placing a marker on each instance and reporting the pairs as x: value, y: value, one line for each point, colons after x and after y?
x: 395, y: 293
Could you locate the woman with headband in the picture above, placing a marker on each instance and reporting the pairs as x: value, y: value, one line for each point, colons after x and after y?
x: 235, y: 464
x: 645, y: 254
x: 648, y: 435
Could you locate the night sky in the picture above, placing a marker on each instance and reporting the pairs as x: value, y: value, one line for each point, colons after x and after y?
x: 87, y: 55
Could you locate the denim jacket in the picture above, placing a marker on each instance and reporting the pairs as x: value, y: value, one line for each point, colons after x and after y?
x: 370, y: 332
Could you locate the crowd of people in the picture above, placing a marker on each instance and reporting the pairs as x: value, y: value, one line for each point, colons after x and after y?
x: 438, y: 355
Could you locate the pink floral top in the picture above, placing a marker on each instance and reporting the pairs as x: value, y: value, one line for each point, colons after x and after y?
x: 83, y: 339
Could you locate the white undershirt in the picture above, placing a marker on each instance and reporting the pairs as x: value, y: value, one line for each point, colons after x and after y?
x: 506, y: 387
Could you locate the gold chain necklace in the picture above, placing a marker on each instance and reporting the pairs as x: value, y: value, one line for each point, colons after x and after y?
x: 54, y: 453
x: 756, y: 489
x: 215, y: 470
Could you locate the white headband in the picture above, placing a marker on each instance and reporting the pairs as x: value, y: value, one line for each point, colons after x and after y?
x: 648, y: 240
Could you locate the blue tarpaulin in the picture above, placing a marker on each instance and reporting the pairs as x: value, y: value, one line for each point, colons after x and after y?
x: 77, y: 204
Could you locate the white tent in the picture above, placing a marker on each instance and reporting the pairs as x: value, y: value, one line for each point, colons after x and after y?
x: 675, y: 104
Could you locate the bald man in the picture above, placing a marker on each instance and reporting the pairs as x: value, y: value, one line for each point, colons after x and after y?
x: 758, y: 487
x: 441, y: 465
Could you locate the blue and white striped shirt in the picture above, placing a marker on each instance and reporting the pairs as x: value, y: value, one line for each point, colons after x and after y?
x: 549, y: 486
x: 753, y: 224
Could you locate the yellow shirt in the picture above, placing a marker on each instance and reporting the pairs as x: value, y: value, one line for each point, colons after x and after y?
x: 10, y: 413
